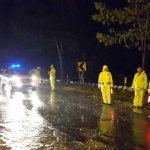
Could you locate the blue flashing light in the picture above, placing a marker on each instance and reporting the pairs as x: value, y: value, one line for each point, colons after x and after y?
x: 15, y: 66
x: 18, y: 65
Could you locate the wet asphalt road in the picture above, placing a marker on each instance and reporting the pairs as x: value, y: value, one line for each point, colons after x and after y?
x: 63, y: 120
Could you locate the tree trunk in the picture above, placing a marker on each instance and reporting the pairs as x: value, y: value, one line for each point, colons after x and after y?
x: 143, y: 60
x: 145, y: 41
x: 60, y: 54
x: 61, y: 65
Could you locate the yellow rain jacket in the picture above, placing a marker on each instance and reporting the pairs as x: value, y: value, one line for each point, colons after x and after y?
x: 52, y: 73
x: 105, y: 78
x: 140, y: 81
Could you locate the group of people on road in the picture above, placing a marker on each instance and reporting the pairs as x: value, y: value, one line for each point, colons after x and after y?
x: 139, y: 86
x: 51, y: 73
x: 105, y: 83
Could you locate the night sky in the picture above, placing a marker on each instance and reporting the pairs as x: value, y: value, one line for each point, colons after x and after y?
x: 28, y: 29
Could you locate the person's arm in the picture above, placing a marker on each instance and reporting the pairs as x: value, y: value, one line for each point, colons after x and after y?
x: 111, y: 80
x: 133, y: 82
x: 48, y: 72
x: 145, y: 82
x: 99, y: 80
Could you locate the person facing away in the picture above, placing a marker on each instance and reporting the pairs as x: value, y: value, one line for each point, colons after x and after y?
x: 105, y: 83
x: 52, y: 74
x: 37, y: 73
x: 139, y: 85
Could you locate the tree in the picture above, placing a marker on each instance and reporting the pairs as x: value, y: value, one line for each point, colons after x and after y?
x: 133, y: 22
x: 63, y: 25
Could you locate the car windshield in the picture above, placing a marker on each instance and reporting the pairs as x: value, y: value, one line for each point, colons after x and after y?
x: 20, y: 72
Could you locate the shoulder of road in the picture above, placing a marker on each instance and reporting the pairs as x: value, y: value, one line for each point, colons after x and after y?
x: 119, y: 96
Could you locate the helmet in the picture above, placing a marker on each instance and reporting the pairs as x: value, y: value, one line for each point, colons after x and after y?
x: 38, y: 68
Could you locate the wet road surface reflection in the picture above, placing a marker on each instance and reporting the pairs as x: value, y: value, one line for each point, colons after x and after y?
x: 58, y: 120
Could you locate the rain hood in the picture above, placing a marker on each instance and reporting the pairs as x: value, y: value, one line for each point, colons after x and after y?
x: 104, y: 67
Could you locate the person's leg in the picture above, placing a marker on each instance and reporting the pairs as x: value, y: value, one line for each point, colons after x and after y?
x: 136, y: 98
x: 108, y: 94
x: 103, y: 90
x: 141, y: 97
x: 51, y: 82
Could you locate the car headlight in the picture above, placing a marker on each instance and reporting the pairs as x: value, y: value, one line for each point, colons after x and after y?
x: 34, y: 78
x: 16, y: 78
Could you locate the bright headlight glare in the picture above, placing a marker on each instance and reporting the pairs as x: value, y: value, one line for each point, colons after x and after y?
x: 33, y: 83
x: 34, y: 78
x: 15, y: 78
x: 19, y: 84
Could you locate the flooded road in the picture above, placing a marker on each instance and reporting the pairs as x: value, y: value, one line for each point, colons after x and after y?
x: 61, y: 120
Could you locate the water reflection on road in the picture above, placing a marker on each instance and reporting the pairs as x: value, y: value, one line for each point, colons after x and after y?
x: 20, y: 121
x: 66, y: 120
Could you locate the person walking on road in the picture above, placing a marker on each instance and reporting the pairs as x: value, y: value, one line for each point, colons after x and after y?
x: 37, y: 73
x: 52, y: 74
x: 105, y: 83
x: 139, y: 85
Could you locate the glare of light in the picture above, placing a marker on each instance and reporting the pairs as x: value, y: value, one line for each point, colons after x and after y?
x: 15, y: 78
x: 18, y: 65
x: 15, y: 66
x: 35, y: 100
x: 17, y: 121
x: 33, y: 83
x: 7, y: 88
x: 34, y: 78
x: 18, y: 96
x: 19, y: 84
x: 58, y: 80
x: 71, y: 81
x: 15, y: 109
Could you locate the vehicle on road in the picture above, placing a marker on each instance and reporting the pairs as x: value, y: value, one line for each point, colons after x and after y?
x: 17, y: 79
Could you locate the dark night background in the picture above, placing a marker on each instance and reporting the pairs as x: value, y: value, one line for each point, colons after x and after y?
x: 28, y: 29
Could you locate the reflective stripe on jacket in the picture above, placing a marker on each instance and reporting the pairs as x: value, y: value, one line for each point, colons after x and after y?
x: 105, y: 78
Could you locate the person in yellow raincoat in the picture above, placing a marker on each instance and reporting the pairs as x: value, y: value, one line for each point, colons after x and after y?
x: 105, y: 83
x: 52, y: 74
x: 37, y: 73
x: 139, y: 85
